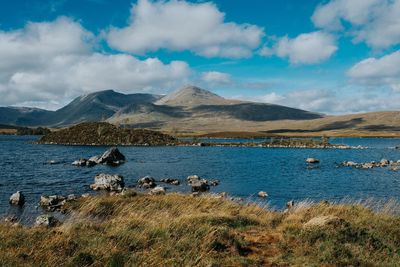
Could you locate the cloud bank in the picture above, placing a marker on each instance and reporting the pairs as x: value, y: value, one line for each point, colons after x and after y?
x: 179, y: 26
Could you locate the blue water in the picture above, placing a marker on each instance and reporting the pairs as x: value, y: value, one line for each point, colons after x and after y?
x: 242, y: 171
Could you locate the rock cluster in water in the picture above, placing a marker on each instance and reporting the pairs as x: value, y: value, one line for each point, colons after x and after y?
x: 394, y: 165
x: 109, y: 182
x: 111, y: 157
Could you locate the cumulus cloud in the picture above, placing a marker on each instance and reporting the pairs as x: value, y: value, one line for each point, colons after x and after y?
x: 215, y: 77
x: 306, y: 48
x: 179, y: 26
x: 377, y: 22
x: 378, y: 71
x: 332, y: 102
x: 57, y: 60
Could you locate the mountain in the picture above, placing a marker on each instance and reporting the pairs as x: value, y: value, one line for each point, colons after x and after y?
x: 195, y: 106
x: 192, y: 96
x: 91, y: 107
x: 97, y: 106
x: 23, y: 116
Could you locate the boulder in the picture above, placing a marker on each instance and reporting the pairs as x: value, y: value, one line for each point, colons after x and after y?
x: 46, y: 220
x: 262, y: 194
x: 147, y: 182
x: 109, y: 182
x: 198, y: 184
x: 350, y: 164
x: 17, y: 199
x: 52, y: 203
x: 214, y: 183
x: 158, y: 190
x: 312, y: 160
x: 112, y: 157
x: 80, y: 162
x: 322, y: 221
x: 290, y: 204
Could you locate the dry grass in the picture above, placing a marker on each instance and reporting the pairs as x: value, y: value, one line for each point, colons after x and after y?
x: 179, y: 230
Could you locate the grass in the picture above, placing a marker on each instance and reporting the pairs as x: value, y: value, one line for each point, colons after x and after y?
x: 180, y: 230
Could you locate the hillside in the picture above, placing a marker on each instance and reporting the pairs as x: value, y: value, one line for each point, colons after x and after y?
x: 178, y: 230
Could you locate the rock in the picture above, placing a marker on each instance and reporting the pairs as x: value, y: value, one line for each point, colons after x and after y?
x: 147, y: 182
x: 290, y: 204
x: 322, y: 221
x: 128, y: 192
x: 95, y: 159
x: 262, y: 194
x: 17, y: 199
x: 52, y: 203
x: 53, y: 162
x: 350, y: 164
x: 158, y: 190
x: 384, y: 162
x: 46, y: 220
x: 170, y: 181
x: 90, y: 163
x: 112, y: 157
x: 85, y: 195
x: 80, y: 162
x: 109, y: 182
x: 312, y: 160
x: 198, y: 184
x: 214, y: 183
x: 71, y: 197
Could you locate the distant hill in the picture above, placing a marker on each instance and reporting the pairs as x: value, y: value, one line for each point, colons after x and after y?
x: 194, y: 110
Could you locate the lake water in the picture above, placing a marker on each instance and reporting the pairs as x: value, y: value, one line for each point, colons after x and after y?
x: 243, y: 172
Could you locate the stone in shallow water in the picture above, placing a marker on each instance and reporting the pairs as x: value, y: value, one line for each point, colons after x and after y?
x: 112, y: 157
x: 262, y: 194
x: 146, y: 182
x: 17, y: 199
x: 109, y: 182
x: 312, y: 160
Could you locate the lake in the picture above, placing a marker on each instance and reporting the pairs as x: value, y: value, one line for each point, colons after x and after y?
x: 243, y: 172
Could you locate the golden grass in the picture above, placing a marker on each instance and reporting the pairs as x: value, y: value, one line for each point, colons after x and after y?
x: 180, y: 230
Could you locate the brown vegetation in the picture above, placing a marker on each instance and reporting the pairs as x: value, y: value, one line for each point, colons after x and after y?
x: 180, y: 230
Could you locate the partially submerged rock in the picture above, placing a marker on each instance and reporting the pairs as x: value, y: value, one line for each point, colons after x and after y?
x: 198, y: 184
x: 262, y: 194
x: 383, y: 163
x: 146, y: 182
x: 112, y: 157
x: 17, y: 199
x: 46, y: 220
x: 158, y: 190
x: 109, y: 182
x: 312, y: 160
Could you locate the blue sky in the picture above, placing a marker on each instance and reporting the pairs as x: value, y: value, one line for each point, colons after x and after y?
x: 335, y: 57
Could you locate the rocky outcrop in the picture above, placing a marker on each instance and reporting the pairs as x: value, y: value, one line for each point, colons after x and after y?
x: 46, y: 220
x: 383, y: 163
x: 109, y: 182
x: 111, y: 157
x: 146, y: 182
x: 17, y: 199
x: 198, y: 184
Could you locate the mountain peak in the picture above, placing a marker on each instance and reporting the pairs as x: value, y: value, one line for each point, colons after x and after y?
x: 191, y: 96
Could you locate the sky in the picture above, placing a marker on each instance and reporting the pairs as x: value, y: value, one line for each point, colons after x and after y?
x: 328, y: 56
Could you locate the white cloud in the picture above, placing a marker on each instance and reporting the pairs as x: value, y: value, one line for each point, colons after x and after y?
x: 332, y: 102
x: 180, y: 25
x: 215, y: 77
x: 307, y: 48
x: 56, y: 60
x: 378, y: 71
x: 377, y: 22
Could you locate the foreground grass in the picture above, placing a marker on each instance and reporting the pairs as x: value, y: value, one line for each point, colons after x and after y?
x: 178, y: 230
